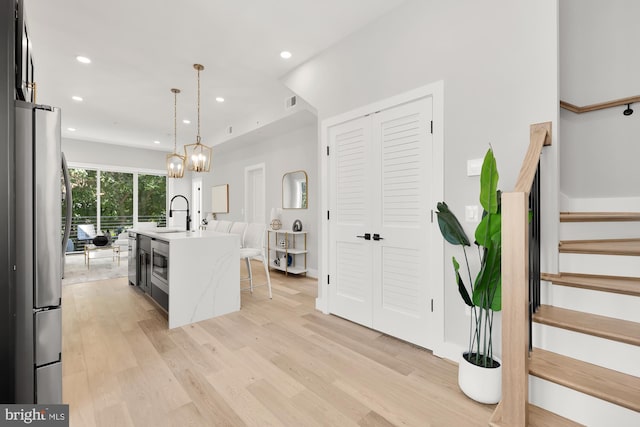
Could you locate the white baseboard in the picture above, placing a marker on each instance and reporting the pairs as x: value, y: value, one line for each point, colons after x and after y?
x: 321, y: 305
x: 312, y: 272
x: 450, y: 351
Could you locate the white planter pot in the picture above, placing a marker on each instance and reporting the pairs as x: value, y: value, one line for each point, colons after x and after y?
x: 483, y: 385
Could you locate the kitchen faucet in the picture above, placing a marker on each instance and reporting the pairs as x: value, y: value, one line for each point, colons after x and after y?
x: 180, y: 210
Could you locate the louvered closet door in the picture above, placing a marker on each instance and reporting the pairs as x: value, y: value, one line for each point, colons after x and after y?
x: 350, y: 289
x: 402, y: 141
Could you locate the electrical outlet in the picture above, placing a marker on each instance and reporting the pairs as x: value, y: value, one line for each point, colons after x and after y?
x: 474, y: 167
x: 471, y: 213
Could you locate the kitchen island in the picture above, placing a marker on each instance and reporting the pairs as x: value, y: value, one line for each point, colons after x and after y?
x: 194, y: 275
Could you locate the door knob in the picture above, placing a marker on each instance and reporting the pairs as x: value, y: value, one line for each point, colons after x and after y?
x: 367, y: 236
x: 377, y: 237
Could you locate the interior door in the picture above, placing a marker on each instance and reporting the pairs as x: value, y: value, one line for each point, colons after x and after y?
x: 379, y: 226
x: 254, y: 194
x: 402, y: 141
x: 351, y: 273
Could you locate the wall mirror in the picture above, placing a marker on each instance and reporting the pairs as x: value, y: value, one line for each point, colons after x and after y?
x: 294, y: 190
x: 220, y: 199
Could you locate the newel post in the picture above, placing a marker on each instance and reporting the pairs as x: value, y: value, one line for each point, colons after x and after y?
x: 515, y: 310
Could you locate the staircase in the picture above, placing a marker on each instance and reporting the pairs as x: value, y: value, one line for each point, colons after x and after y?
x: 586, y: 333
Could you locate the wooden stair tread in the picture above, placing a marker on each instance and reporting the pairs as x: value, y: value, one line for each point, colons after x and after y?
x: 606, y: 384
x: 587, y: 323
x: 602, y: 247
x: 538, y: 417
x: 599, y: 216
x: 614, y: 284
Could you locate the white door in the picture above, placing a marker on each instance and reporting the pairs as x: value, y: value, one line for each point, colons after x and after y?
x: 378, y: 169
x: 196, y: 203
x: 401, y: 299
x: 254, y: 189
x: 351, y: 292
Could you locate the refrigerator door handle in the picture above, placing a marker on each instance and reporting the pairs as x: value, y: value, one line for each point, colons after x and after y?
x: 68, y: 207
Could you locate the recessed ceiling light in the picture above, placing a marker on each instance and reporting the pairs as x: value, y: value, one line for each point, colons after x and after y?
x: 77, y: 98
x: 285, y: 54
x: 83, y: 59
x: 186, y: 122
x: 220, y: 99
x: 156, y: 142
x: 71, y: 129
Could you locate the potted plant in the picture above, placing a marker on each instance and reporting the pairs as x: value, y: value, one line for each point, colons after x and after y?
x: 479, y: 373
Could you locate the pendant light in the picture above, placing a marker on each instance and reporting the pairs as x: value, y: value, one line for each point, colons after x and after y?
x: 198, y: 156
x: 175, y: 162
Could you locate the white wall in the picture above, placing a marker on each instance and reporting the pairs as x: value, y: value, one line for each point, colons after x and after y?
x: 498, y: 61
x: 78, y: 151
x: 294, y: 150
x: 128, y: 158
x: 599, y: 62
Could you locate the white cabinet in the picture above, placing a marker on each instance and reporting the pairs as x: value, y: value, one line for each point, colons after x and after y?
x: 287, y: 251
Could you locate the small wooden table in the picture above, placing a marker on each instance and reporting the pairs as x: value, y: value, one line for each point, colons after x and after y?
x: 93, y: 248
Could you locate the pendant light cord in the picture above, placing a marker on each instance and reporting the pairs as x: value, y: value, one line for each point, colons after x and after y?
x: 198, y: 137
x: 175, y: 121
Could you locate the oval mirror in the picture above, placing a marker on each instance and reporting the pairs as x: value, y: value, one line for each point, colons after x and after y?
x: 294, y: 190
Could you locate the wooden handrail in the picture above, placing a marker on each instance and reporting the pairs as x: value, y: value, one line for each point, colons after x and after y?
x: 540, y: 136
x: 599, y: 106
x: 515, y: 286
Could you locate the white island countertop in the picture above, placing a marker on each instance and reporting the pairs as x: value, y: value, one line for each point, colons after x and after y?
x: 204, y: 273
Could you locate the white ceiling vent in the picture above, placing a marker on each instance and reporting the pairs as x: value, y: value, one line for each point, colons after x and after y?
x: 290, y: 102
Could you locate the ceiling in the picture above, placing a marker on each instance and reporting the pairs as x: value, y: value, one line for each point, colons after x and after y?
x: 140, y: 49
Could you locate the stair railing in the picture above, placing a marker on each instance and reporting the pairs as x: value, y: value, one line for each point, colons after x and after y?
x: 520, y: 278
x: 601, y: 105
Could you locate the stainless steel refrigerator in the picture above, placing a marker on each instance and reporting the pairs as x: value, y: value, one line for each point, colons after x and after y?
x: 39, y: 241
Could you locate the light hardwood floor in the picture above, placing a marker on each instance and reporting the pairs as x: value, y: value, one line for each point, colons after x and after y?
x: 274, y: 363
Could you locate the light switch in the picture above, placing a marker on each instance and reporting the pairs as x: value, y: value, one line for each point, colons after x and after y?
x: 471, y: 213
x: 474, y: 167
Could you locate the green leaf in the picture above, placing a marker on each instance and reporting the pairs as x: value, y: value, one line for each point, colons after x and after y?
x: 490, y: 225
x: 487, y: 292
x: 450, y: 227
x: 489, y: 183
x: 461, y: 287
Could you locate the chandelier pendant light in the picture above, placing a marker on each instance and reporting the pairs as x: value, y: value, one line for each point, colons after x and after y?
x: 175, y: 162
x: 198, y: 156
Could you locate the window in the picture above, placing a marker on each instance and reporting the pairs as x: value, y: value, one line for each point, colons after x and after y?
x: 107, y: 200
x: 116, y: 201
x: 152, y: 199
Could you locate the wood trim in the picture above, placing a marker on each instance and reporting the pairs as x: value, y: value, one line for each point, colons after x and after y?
x: 599, y: 216
x: 603, y: 383
x: 515, y: 290
x: 540, y: 136
x: 600, y: 106
x: 629, y: 247
x: 603, y: 283
x: 587, y: 323
x: 538, y: 417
